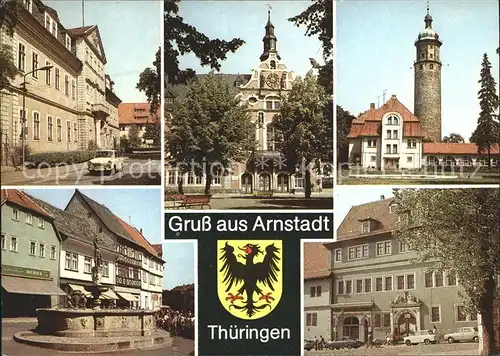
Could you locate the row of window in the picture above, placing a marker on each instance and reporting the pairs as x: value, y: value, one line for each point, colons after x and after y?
x: 383, y: 248
x: 411, y: 143
x: 153, y: 280
x: 461, y: 161
x: 35, y: 64
x: 130, y: 252
x: 34, y: 247
x: 174, y: 177
x: 28, y: 219
x: 71, y: 263
x: 71, y: 132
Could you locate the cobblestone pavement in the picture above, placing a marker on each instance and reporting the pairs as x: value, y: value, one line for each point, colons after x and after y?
x: 180, y: 346
x: 442, y: 349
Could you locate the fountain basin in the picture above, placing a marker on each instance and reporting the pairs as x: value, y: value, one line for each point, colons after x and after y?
x: 84, y: 323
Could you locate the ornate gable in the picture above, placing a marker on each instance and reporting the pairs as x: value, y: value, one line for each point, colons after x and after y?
x: 94, y: 38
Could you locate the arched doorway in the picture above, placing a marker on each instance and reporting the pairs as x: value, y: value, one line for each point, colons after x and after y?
x: 406, y: 324
x: 351, y: 328
x: 264, y: 182
x: 282, y: 182
x: 246, y: 183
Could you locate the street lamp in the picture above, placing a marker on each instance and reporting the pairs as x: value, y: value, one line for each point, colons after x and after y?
x: 24, y: 107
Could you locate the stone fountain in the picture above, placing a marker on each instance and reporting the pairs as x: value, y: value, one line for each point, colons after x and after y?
x: 79, y: 328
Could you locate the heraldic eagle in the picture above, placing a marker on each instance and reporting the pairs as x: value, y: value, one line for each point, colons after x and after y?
x: 250, y: 274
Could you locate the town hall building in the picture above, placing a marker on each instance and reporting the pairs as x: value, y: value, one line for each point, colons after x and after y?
x: 391, y: 137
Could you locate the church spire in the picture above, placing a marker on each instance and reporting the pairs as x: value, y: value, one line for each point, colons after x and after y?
x: 428, y: 18
x: 269, y: 38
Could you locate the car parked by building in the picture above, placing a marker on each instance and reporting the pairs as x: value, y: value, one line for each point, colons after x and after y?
x: 343, y: 343
x: 420, y: 337
x: 465, y: 333
x: 107, y: 161
x: 308, y: 345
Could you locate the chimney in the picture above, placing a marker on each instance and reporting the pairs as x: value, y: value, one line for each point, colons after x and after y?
x: 393, y: 96
x: 372, y: 106
x: 140, y: 230
x: 382, y: 197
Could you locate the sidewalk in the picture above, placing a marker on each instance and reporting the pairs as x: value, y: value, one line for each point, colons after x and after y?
x: 36, y: 174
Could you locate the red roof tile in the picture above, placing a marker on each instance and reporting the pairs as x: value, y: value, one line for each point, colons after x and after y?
x: 158, y: 248
x: 445, y: 148
x: 315, y: 260
x: 369, y: 122
x: 137, y: 113
x: 138, y: 238
x: 20, y: 198
x: 78, y: 31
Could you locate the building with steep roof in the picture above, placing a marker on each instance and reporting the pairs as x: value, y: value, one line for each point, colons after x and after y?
x: 391, y: 137
x: 317, y: 291
x: 137, y: 115
x: 262, y: 91
x: 377, y: 287
x: 31, y: 248
x: 69, y: 105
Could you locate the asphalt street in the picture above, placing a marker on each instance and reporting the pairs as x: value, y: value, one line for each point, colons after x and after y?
x: 135, y: 172
x: 180, y: 346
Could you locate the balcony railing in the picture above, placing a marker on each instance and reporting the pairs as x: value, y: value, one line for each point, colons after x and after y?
x: 127, y: 282
x: 129, y: 260
x: 100, y: 110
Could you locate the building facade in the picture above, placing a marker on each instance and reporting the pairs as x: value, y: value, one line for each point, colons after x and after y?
x: 392, y: 138
x: 67, y: 105
x: 31, y: 248
x: 262, y: 92
x: 377, y: 287
x: 137, y: 115
x: 317, y: 291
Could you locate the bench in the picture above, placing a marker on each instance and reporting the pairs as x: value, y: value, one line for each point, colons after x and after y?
x: 264, y: 193
x: 191, y: 201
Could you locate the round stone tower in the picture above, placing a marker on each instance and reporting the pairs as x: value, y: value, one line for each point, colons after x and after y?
x: 427, y: 100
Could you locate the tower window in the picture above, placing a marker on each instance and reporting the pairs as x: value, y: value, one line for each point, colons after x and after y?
x: 273, y: 64
x: 431, y: 55
x: 432, y: 66
x: 421, y: 66
x: 422, y: 55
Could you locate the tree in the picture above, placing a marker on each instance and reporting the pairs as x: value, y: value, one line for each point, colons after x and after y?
x: 457, y: 230
x: 10, y: 11
x: 454, y: 138
x: 134, y: 139
x: 306, y: 131
x: 153, y: 132
x: 181, y: 38
x: 487, y: 131
x: 344, y: 120
x: 209, y: 130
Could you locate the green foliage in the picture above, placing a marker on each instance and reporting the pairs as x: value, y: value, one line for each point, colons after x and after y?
x: 150, y: 83
x: 92, y: 146
x: 10, y: 11
x: 488, y: 127
x: 456, y: 229
x: 305, y: 123
x: 344, y: 120
x: 318, y: 18
x: 153, y: 132
x: 8, y: 69
x: 454, y: 138
x: 209, y: 126
x: 56, y: 158
x: 134, y: 139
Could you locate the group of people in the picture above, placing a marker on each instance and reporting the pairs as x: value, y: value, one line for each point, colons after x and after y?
x: 319, y: 344
x: 176, y: 322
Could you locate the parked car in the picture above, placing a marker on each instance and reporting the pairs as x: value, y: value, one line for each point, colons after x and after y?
x: 343, y: 343
x: 308, y: 345
x: 421, y: 336
x: 466, y: 333
x: 106, y: 161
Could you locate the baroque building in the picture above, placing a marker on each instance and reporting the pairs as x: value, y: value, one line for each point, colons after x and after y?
x: 262, y: 92
x: 391, y: 137
x: 71, y: 103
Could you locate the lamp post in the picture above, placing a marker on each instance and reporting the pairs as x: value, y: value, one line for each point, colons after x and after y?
x: 23, y: 133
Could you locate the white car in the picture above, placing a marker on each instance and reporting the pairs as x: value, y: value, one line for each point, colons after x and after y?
x: 105, y: 161
x: 422, y: 336
x: 466, y: 333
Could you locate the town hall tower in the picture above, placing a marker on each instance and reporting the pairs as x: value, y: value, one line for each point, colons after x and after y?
x: 427, y: 96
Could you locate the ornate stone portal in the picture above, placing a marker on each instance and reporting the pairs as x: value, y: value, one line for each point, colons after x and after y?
x: 405, y: 314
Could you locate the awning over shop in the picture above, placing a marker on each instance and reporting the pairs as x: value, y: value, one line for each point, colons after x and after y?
x: 30, y: 286
x: 76, y: 287
x: 109, y: 294
x: 127, y: 296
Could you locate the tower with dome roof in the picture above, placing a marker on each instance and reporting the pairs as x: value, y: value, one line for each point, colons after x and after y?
x: 427, y: 95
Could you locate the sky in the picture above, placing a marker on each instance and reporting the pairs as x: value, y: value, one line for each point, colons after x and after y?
x: 247, y: 20
x: 130, y: 32
x: 346, y: 197
x: 141, y: 207
x: 375, y: 51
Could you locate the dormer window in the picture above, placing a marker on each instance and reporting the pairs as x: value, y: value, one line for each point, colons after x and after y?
x: 365, y: 227
x: 392, y: 120
x: 50, y: 24
x: 68, y: 42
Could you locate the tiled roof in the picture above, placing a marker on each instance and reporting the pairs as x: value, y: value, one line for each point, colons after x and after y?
x: 137, y: 113
x: 137, y: 236
x: 22, y: 199
x: 444, y: 148
x: 107, y: 217
x: 79, y: 31
x: 377, y: 210
x: 315, y: 260
x: 369, y: 123
x: 158, y: 248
